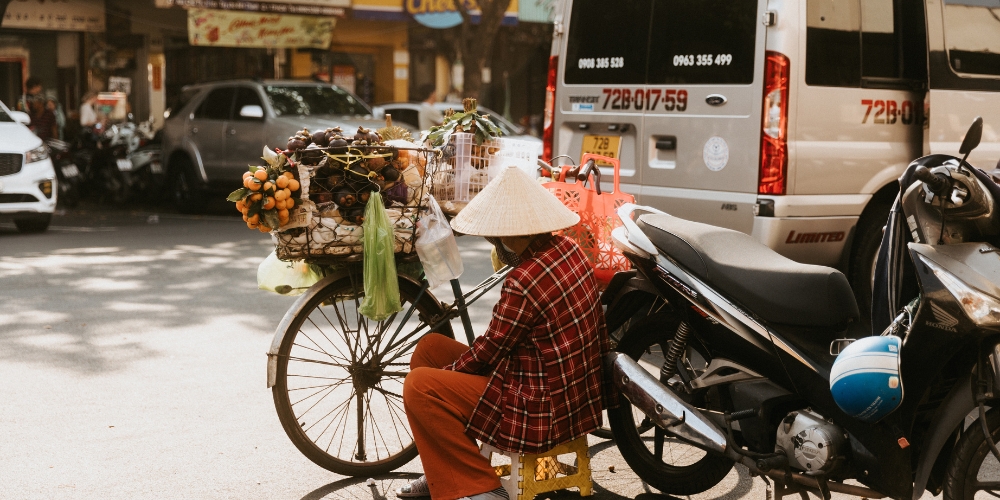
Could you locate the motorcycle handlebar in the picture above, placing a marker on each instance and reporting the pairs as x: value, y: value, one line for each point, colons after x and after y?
x: 937, y: 183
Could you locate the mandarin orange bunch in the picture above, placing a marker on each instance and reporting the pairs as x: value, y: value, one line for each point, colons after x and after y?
x: 266, y: 198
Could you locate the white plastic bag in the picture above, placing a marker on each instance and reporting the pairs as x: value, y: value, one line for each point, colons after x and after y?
x: 286, y: 278
x: 436, y: 246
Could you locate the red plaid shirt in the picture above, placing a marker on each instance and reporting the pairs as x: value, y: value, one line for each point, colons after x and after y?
x: 543, y: 353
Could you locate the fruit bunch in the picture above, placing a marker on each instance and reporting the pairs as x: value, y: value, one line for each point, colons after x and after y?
x: 346, y: 169
x: 268, y: 194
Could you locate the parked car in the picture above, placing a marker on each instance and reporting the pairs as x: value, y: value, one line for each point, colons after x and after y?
x: 27, y: 179
x: 217, y: 129
x: 789, y: 121
x: 407, y: 114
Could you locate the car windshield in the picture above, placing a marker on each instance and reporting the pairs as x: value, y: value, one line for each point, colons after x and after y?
x: 313, y: 100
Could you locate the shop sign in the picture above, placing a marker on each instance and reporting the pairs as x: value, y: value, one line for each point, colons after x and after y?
x: 337, y: 8
x: 222, y: 28
x: 438, y: 14
x: 62, y: 15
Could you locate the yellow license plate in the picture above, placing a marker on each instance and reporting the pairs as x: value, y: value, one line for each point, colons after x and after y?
x: 604, y: 145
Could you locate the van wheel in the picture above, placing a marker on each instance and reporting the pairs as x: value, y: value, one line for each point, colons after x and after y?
x: 187, y: 190
x: 867, y: 240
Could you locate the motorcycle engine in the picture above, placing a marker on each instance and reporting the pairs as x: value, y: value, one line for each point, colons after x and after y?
x: 811, y: 443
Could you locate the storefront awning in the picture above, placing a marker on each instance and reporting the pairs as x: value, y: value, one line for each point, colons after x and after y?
x: 438, y: 14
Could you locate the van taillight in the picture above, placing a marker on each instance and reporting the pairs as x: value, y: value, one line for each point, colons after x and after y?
x: 774, y: 133
x: 550, y: 109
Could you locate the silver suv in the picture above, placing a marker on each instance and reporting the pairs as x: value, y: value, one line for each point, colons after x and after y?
x: 215, y: 130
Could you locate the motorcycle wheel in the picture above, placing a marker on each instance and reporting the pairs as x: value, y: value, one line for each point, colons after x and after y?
x: 659, y: 459
x: 973, y: 467
x: 115, y: 186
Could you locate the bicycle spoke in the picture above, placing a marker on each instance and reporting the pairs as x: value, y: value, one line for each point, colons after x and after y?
x: 321, y: 332
x: 320, y: 351
x: 303, y: 414
x: 319, y: 362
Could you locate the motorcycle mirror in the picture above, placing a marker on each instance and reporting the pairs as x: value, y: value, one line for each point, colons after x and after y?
x: 972, y: 137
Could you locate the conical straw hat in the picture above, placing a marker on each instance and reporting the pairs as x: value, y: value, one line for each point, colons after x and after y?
x: 513, y: 204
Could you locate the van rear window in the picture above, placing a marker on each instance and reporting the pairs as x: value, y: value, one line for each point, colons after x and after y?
x: 707, y: 41
x: 607, y: 42
x: 661, y: 42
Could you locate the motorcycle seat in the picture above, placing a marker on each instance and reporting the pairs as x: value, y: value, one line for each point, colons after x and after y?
x: 775, y: 288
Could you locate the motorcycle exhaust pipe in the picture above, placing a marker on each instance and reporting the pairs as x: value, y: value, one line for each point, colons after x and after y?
x: 662, y: 406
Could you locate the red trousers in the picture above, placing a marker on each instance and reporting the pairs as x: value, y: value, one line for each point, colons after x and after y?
x: 438, y: 405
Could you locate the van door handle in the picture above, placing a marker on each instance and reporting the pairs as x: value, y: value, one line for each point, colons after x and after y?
x: 194, y: 130
x: 666, y: 143
x: 232, y: 131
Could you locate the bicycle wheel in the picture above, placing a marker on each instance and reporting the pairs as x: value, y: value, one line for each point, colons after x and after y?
x: 339, y: 385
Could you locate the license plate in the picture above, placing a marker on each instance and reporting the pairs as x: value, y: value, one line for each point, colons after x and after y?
x: 70, y: 171
x: 156, y: 167
x: 124, y: 164
x: 604, y: 145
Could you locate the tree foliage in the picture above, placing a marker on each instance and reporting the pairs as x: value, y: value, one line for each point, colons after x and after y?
x: 475, y: 41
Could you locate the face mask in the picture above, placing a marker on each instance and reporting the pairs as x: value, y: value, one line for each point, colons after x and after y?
x: 506, y: 255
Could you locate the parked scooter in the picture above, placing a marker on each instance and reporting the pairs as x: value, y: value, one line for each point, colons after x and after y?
x: 69, y: 177
x: 746, y: 358
x: 126, y: 163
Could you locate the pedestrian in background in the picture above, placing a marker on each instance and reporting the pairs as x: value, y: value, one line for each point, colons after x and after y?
x: 40, y: 110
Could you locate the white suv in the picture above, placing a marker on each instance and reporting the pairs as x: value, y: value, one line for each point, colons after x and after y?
x: 27, y: 178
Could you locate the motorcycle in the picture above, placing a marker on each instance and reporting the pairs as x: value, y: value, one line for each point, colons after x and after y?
x: 733, y: 353
x: 69, y: 176
x: 126, y: 162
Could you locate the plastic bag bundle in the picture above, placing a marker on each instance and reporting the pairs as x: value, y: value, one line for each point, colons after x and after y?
x: 286, y: 278
x: 436, y: 246
x: 381, y: 285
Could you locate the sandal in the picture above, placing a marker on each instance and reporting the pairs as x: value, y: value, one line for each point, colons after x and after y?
x: 416, y: 488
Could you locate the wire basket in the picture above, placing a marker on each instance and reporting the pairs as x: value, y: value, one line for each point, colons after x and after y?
x: 329, y: 225
x: 465, y: 168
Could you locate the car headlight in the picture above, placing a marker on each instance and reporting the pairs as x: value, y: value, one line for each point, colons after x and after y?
x: 982, y: 308
x: 38, y: 154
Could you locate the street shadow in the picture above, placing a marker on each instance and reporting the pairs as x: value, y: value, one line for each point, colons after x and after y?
x: 98, y: 301
x: 378, y: 488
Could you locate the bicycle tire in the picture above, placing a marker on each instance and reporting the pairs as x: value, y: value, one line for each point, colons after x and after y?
x: 304, y: 350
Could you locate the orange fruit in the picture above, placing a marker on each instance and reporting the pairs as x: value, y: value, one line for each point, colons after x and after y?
x: 293, y: 185
x: 290, y: 175
x: 269, y: 204
x: 281, y: 181
x: 251, y: 225
x: 280, y: 195
x: 245, y: 218
x: 264, y: 229
x: 240, y: 206
x: 255, y: 197
x: 253, y: 185
x: 268, y: 186
x: 279, y: 204
x: 247, y: 174
x: 260, y: 174
x: 254, y: 219
x: 289, y: 203
x: 247, y: 181
x: 283, y: 213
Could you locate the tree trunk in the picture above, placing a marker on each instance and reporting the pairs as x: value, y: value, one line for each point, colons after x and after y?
x: 475, y: 43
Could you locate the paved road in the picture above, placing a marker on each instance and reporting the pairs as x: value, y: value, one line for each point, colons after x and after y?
x: 132, y: 358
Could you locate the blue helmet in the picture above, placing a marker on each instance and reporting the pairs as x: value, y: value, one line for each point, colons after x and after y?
x: 865, y: 379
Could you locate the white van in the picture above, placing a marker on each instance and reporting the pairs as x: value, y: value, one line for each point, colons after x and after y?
x: 788, y: 120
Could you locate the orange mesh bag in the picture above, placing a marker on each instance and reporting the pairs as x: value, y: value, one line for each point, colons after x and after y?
x: 598, y: 215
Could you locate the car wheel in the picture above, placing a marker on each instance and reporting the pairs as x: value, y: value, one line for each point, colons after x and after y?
x: 33, y: 225
x: 187, y: 190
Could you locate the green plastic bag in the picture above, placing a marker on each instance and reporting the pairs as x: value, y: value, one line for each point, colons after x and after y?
x: 381, y: 288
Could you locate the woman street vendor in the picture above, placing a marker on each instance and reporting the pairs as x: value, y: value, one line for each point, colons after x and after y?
x: 534, y: 379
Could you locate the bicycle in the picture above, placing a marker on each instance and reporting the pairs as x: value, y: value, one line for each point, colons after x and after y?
x: 333, y: 372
